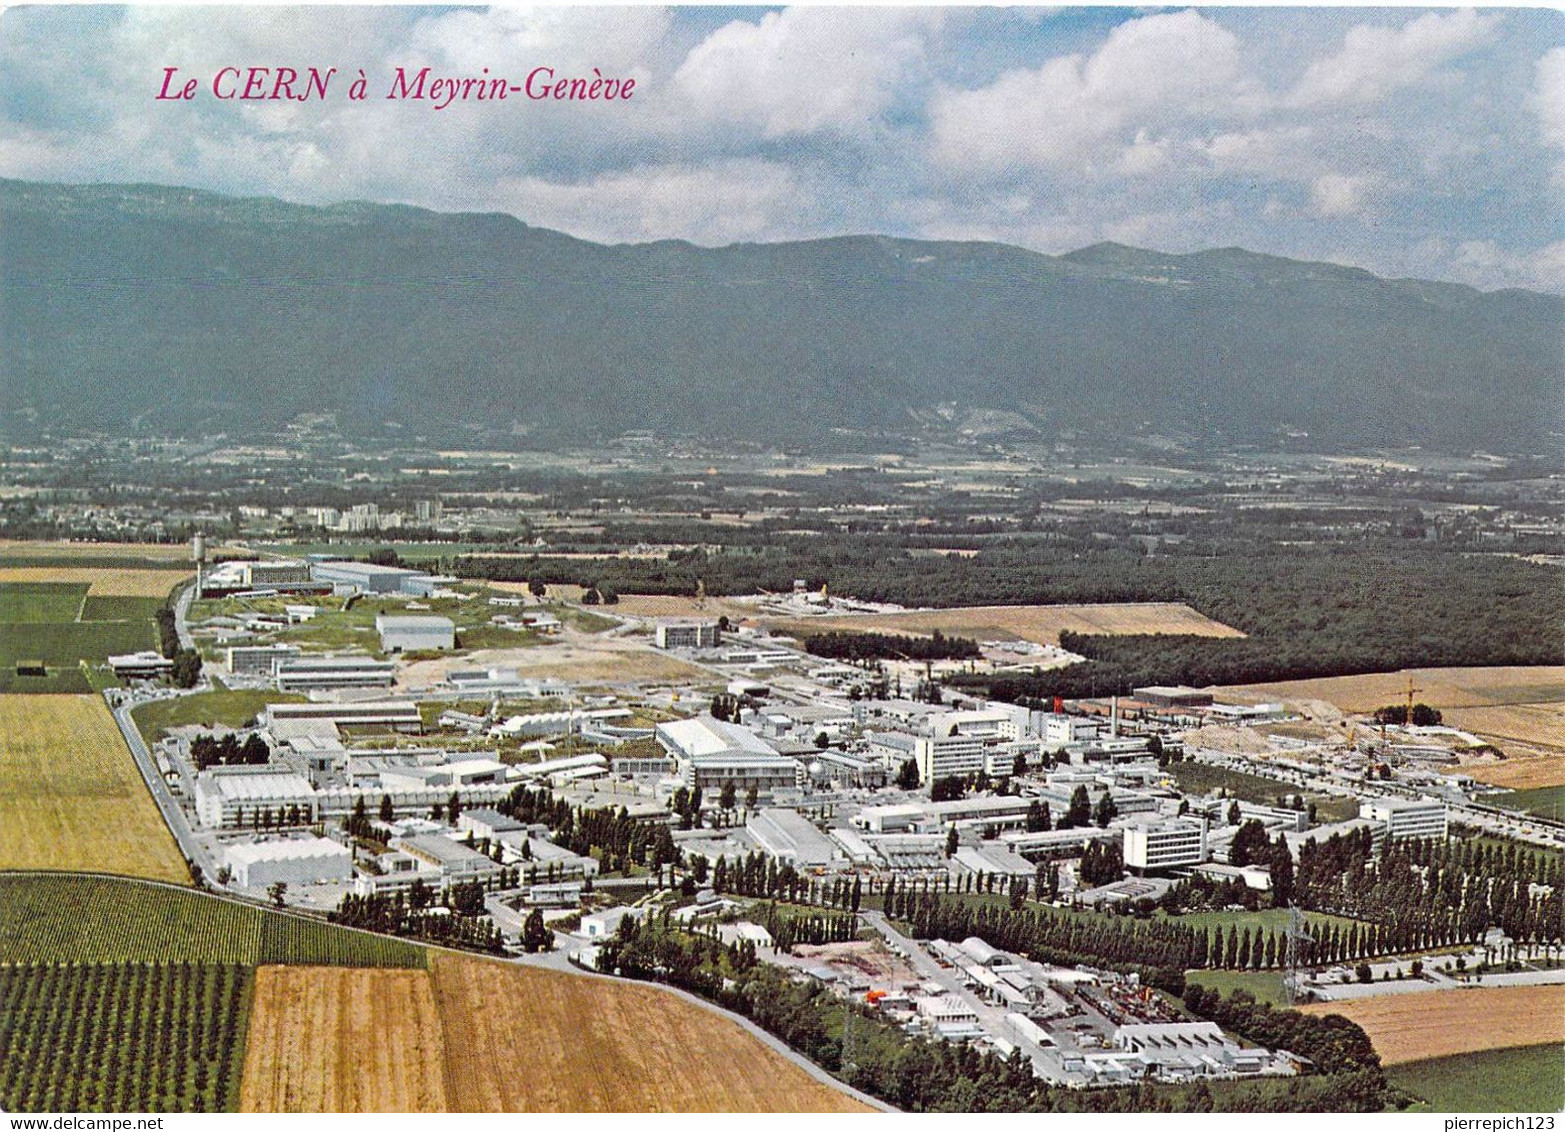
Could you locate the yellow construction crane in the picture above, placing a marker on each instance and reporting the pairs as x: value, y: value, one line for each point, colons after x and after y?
x: 1408, y: 722
x: 700, y: 594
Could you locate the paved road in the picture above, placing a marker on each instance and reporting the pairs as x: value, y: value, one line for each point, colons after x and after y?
x: 1348, y: 991
x: 990, y: 1017
x: 173, y: 816
x: 181, y: 613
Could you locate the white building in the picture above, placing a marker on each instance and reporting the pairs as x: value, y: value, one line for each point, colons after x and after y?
x: 237, y: 796
x: 259, y: 660
x: 1406, y: 817
x: 1059, y: 729
x: 792, y: 838
x: 1152, y: 844
x: 302, y: 861
x: 326, y: 673
x: 410, y: 633
x: 147, y: 665
x: 601, y: 925
x: 688, y: 635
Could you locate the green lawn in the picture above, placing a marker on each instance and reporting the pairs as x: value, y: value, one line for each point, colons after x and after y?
x: 1530, y: 1079
x: 1545, y: 801
x: 23, y: 602
x: 1266, y: 986
x: 1199, y: 778
x: 230, y: 708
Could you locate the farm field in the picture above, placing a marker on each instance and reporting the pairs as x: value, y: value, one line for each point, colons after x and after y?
x: 1041, y: 624
x: 1545, y: 801
x: 53, y: 918
x: 1426, y: 1024
x: 478, y: 1035
x: 1528, y: 1079
x: 71, y: 796
x: 104, y: 581
x: 121, y: 1037
x: 57, y: 619
x: 514, y: 1042
x: 21, y: 548
x: 1519, y: 709
x: 332, y: 1039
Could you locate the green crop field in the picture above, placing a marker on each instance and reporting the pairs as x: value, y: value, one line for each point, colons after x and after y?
x: 59, y: 625
x: 61, y: 917
x: 63, y: 645
x: 119, y: 608
x: 55, y: 681
x: 1545, y: 801
x: 122, y: 1037
x: 231, y: 708
x: 1529, y: 1079
x: 23, y: 602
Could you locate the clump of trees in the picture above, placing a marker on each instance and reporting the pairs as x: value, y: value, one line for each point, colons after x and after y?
x: 860, y: 647
x: 1423, y: 715
x: 206, y: 750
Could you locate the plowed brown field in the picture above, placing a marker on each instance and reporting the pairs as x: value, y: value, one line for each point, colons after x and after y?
x: 1041, y: 624
x: 480, y: 1035
x: 329, y: 1039
x: 524, y: 1040
x: 1412, y: 1027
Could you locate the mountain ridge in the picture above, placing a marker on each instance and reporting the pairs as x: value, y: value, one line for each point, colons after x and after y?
x: 191, y: 311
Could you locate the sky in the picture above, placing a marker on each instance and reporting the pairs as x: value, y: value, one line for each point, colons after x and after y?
x: 1426, y: 143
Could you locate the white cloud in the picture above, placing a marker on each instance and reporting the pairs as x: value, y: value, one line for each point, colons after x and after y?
x: 804, y: 70
x: 1374, y: 61
x: 1076, y: 110
x: 1336, y: 194
x: 1547, y: 102
x: 709, y: 204
x: 1273, y: 151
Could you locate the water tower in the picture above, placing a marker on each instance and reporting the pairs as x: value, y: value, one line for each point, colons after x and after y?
x: 198, y: 552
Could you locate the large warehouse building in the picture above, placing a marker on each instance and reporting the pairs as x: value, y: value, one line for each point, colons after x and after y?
x: 302, y: 861
x: 413, y: 633
x: 366, y: 577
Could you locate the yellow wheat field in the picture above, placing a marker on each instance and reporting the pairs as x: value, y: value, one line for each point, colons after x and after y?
x: 71, y: 796
x: 479, y: 1035
x: 329, y: 1039
x: 1424, y: 1024
x: 1041, y: 624
x: 105, y: 581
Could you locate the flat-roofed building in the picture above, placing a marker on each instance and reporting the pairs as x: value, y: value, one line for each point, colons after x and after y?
x: 415, y: 632
x: 1178, y: 695
x: 258, y: 575
x: 792, y: 838
x: 687, y: 635
x: 333, y: 673
x: 454, y: 860
x: 366, y: 577
x: 299, y: 861
x: 1407, y: 817
x: 141, y: 665
x: 259, y: 660
x: 402, y: 715
x: 1152, y: 844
